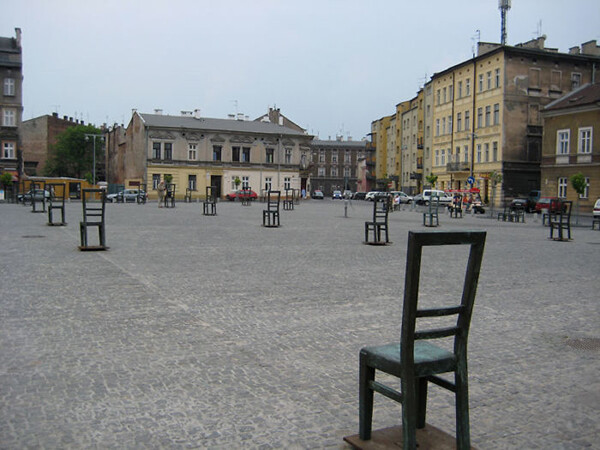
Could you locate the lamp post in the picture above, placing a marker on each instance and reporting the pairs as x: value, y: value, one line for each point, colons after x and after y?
x: 87, y: 138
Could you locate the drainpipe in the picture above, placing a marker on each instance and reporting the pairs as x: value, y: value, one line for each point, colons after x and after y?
x: 472, y: 159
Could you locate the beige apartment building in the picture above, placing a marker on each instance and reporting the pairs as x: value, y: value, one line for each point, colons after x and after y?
x: 379, y: 137
x: 411, y: 166
x: 486, y: 113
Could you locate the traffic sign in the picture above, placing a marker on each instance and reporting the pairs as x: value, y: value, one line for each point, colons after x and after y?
x: 471, y: 180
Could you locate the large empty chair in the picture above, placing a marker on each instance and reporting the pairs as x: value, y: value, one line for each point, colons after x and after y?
x: 56, y: 203
x: 416, y: 360
x: 209, y: 207
x: 93, y: 202
x: 379, y: 225
x: 271, y: 214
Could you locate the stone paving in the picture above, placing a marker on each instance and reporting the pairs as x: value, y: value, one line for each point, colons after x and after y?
x: 214, y: 332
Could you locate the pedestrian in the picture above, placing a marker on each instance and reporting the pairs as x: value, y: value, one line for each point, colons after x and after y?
x: 161, y: 194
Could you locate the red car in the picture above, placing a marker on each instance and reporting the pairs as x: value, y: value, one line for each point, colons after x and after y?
x: 549, y: 203
x: 240, y: 194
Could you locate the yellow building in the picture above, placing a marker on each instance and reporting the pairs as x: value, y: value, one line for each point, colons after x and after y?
x: 199, y: 152
x: 379, y: 135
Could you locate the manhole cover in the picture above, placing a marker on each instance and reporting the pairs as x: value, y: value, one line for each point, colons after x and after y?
x: 33, y: 236
x: 584, y: 343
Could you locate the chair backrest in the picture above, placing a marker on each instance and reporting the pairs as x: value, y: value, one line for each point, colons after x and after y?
x: 565, y: 208
x: 434, y: 203
x: 210, y: 193
x: 170, y: 190
x: 380, y: 208
x: 57, y: 192
x: 93, y: 202
x: 273, y: 198
x: 463, y: 310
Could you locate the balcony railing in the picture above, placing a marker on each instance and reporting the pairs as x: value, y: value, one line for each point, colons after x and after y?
x: 457, y: 167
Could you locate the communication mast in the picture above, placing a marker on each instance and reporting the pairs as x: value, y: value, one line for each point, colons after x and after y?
x: 503, y: 6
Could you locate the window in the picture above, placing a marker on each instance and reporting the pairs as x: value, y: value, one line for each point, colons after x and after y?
x: 168, y: 151
x: 489, y: 80
x: 9, y: 119
x: 235, y: 154
x: 156, y: 150
x: 192, y: 152
x: 494, y: 151
x: 427, y: 131
x: 428, y: 110
x: 321, y: 156
x: 479, y: 117
x: 575, y: 80
x: 217, y: 152
x: 457, y: 154
x: 534, y: 117
x: 8, y: 150
x: 192, y: 182
x: 459, y: 89
x: 468, y: 86
x: 155, y: 180
x: 269, y: 155
x: 245, y: 182
x: 449, y: 124
x: 459, y: 122
x: 586, y: 191
x: 347, y: 171
x: 347, y: 156
x: 334, y: 159
x: 288, y: 156
x: 334, y: 171
x: 321, y: 172
x: 478, y: 153
x: 246, y: 154
x: 444, y: 94
x: 443, y: 125
x: 585, y: 140
x: 268, y: 183
x: 438, y: 97
x: 496, y: 113
x: 487, y: 152
x: 555, y: 80
x: 488, y: 113
x: 480, y: 82
x: 497, y: 78
x: 9, y: 87
x: 562, y: 187
x: 467, y: 120
x: 287, y: 183
x: 534, y: 78
x: 443, y: 157
x: 451, y: 92
x: 466, y: 152
x: 562, y: 142
x: 437, y: 157
x: 437, y: 127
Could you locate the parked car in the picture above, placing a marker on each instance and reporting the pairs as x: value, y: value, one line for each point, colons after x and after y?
x: 240, y: 194
x: 128, y: 195
x: 359, y: 195
x: 548, y: 203
x: 521, y: 203
x: 318, y: 195
x: 38, y: 195
x: 597, y: 208
x: 402, y: 197
x: 424, y: 197
x: 372, y: 194
x: 337, y: 195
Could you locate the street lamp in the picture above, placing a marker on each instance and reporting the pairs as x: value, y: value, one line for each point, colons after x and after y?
x: 87, y: 138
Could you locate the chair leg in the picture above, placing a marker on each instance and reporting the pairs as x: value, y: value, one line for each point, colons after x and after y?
x: 463, y: 438
x: 421, y: 402
x: 102, y: 235
x: 409, y: 413
x: 365, y: 401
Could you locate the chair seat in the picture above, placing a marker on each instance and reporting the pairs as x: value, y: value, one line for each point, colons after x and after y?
x: 429, y: 359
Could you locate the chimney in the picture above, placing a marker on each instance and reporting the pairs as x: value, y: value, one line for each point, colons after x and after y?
x: 55, y: 114
x: 231, y: 116
x: 18, y: 37
x: 197, y: 113
x: 240, y: 116
x: 590, y: 48
x: 158, y: 112
x: 186, y: 113
x: 280, y: 119
x: 574, y: 51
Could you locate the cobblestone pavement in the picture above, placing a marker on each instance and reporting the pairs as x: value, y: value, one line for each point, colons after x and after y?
x: 214, y: 332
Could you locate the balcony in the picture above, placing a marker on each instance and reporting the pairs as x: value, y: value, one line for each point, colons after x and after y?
x: 457, y: 167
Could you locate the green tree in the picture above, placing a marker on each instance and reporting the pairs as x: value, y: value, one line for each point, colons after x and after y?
x: 5, y: 180
x: 431, y: 179
x: 73, y: 155
x: 579, y: 184
x: 168, y: 178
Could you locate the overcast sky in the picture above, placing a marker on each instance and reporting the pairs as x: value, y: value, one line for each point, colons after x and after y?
x: 332, y: 66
